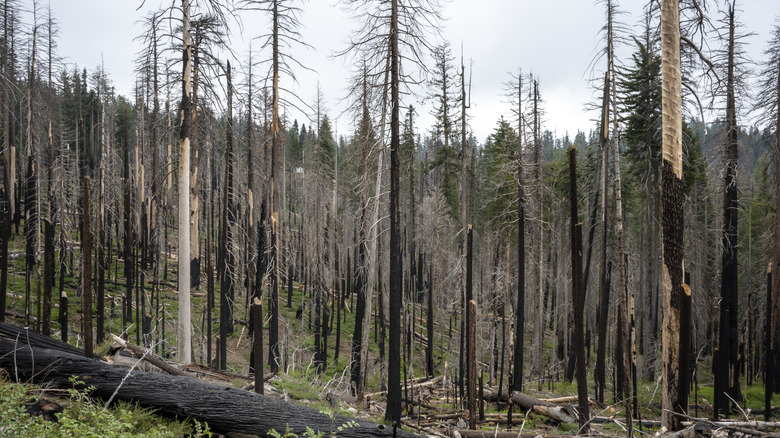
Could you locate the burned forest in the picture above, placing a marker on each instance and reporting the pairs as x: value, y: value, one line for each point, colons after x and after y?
x: 285, y: 218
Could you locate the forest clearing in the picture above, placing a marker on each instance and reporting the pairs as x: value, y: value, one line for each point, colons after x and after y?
x: 211, y: 253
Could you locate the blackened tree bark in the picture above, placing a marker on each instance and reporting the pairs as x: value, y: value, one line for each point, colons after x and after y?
x: 675, y: 389
x: 86, y: 271
x: 576, y: 290
x: 48, y: 275
x: 726, y: 362
x: 393, y: 412
x: 429, y: 325
x: 517, y: 368
x: 227, y: 219
x: 768, y: 353
x: 276, y: 181
x: 184, y: 331
x: 603, y: 315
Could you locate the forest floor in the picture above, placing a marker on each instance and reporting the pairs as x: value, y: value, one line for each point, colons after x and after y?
x: 433, y: 409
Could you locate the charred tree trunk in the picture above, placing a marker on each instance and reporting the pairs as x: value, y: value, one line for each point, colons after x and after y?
x: 429, y: 325
x: 727, y: 366
x: 600, y: 375
x: 675, y: 389
x: 184, y: 333
x: 226, y: 410
x: 228, y: 217
x: 276, y: 181
x: 768, y: 353
x: 393, y: 412
x: 517, y: 368
x: 48, y: 275
x: 86, y: 272
x: 775, y: 313
x: 257, y: 345
x: 578, y: 302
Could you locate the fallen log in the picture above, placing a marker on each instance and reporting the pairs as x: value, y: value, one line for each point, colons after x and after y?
x: 692, y: 431
x: 753, y: 425
x: 606, y: 420
x: 148, y: 356
x: 12, y: 332
x: 227, y: 410
x: 573, y: 399
x: 564, y: 414
x: 472, y: 433
x: 251, y: 385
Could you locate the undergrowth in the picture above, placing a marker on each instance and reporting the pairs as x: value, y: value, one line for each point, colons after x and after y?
x: 83, y: 416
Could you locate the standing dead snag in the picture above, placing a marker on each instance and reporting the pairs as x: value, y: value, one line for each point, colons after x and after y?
x: 768, y: 347
x: 86, y: 272
x: 726, y: 361
x: 517, y: 368
x: 576, y: 293
x: 184, y: 333
x: 257, y: 344
x: 675, y: 389
x: 600, y: 375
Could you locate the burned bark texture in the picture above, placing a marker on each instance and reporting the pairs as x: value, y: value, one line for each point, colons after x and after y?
x: 675, y: 390
x: 226, y: 410
x: 576, y: 292
x: 675, y: 362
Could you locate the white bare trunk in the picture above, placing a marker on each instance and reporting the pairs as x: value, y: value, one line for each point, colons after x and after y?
x: 184, y: 334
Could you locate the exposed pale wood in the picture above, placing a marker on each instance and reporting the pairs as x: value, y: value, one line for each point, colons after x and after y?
x: 148, y: 356
x: 564, y: 414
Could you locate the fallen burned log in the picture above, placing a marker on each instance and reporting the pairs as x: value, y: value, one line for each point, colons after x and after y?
x: 225, y: 409
x: 564, y: 414
x: 12, y: 332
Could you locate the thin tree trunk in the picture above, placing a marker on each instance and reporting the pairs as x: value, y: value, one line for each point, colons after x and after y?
x: 603, y: 315
x: 393, y: 412
x: 184, y: 331
x: 227, y: 219
x: 727, y: 366
x: 276, y: 181
x: 86, y: 272
x: 768, y: 353
x: 517, y: 368
x: 775, y: 314
x: 578, y: 303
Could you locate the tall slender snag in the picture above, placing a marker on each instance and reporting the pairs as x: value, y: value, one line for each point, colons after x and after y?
x: 184, y: 332
x: 675, y: 394
x: 576, y: 291
x: 86, y: 272
x: 726, y: 360
x: 393, y: 412
x: 600, y: 372
x: 768, y: 353
x: 517, y: 368
x: 276, y: 179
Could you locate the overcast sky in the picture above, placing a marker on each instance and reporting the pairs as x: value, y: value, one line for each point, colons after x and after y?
x: 554, y: 39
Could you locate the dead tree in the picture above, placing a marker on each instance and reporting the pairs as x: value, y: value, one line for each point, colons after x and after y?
x: 184, y: 332
x: 726, y: 359
x: 675, y: 387
x: 86, y: 271
x: 226, y: 410
x: 576, y: 290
